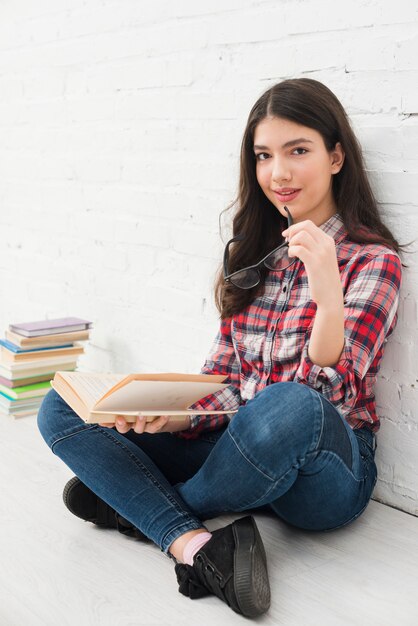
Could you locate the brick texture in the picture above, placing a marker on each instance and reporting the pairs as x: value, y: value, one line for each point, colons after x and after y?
x: 120, y: 127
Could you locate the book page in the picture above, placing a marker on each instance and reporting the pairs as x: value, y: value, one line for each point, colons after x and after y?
x: 90, y: 387
x: 170, y: 377
x: 159, y: 396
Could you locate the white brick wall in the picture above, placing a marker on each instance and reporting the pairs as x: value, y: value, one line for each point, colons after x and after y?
x: 120, y: 125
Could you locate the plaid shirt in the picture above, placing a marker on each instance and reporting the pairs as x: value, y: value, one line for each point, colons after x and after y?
x: 268, y: 341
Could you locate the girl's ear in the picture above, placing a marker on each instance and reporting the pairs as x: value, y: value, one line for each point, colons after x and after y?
x: 337, y: 158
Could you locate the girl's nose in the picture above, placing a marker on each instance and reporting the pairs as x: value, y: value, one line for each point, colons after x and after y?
x: 280, y: 170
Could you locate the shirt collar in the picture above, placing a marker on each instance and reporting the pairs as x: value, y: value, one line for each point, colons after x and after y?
x: 334, y: 227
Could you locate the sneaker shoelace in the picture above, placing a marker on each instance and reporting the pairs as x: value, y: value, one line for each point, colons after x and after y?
x: 190, y: 580
x: 189, y: 583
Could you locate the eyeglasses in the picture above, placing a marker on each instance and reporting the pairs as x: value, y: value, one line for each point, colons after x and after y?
x: 248, y: 277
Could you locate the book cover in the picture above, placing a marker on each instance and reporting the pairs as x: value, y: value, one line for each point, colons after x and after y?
x: 9, y: 403
x: 12, y: 371
x: 27, y: 380
x: 8, y: 356
x: 17, y: 349
x: 47, y: 340
x: 50, y: 327
x: 27, y: 391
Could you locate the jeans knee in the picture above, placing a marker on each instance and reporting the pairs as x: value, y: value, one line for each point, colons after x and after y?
x: 281, y: 414
x: 284, y: 405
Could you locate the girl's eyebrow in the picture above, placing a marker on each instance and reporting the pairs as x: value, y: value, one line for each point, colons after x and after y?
x: 288, y: 144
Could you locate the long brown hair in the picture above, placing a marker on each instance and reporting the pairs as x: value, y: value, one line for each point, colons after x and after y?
x: 309, y: 103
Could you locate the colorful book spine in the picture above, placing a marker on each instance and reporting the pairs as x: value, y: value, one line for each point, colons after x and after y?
x: 14, y: 348
x: 26, y: 391
x: 31, y: 354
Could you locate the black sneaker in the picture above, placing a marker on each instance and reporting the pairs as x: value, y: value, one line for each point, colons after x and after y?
x: 83, y: 503
x: 231, y: 565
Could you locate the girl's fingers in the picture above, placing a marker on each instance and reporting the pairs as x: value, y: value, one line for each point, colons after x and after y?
x: 157, y: 424
x: 304, y: 238
x: 302, y: 242
x: 306, y: 226
x: 140, y: 424
x: 121, y: 425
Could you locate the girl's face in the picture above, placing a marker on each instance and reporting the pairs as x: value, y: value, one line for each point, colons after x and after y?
x: 295, y: 169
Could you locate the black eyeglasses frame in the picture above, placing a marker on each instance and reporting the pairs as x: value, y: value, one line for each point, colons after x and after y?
x: 228, y: 278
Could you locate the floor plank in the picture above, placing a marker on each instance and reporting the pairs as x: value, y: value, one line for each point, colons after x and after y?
x: 59, y: 571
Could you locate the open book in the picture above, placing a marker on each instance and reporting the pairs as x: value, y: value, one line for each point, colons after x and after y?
x: 98, y: 398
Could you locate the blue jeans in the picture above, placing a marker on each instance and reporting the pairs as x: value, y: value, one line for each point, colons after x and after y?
x: 288, y: 449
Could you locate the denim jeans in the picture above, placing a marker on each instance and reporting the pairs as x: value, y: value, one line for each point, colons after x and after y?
x: 288, y: 449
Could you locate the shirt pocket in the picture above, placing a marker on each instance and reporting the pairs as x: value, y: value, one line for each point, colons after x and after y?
x: 287, y: 346
x: 291, y: 333
x: 249, y: 345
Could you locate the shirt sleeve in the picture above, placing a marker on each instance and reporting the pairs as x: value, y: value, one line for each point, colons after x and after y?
x: 370, y: 306
x: 221, y: 360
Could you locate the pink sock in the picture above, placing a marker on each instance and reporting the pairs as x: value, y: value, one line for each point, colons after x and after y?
x: 193, y: 545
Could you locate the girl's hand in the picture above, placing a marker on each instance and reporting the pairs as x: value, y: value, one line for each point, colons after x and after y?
x: 317, y: 251
x: 160, y: 424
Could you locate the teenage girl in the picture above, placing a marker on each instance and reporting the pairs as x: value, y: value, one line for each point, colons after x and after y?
x: 307, y: 297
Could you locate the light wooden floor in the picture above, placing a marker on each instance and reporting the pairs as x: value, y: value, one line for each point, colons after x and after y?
x: 59, y: 571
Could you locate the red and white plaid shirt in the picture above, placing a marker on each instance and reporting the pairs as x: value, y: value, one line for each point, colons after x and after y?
x: 268, y: 341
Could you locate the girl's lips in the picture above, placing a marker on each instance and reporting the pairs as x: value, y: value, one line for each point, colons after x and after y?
x: 287, y: 197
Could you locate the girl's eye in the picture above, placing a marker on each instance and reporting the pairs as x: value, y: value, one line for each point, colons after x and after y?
x: 301, y: 150
x: 261, y: 156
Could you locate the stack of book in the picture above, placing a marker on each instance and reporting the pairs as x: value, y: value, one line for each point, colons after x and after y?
x: 30, y: 354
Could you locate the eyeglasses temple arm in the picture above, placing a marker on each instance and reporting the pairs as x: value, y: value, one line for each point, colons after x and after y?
x: 226, y: 252
x: 289, y: 217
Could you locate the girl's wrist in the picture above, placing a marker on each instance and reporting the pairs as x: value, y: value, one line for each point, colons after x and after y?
x: 327, y: 337
x: 333, y: 299
x: 177, y: 425
x: 331, y: 307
